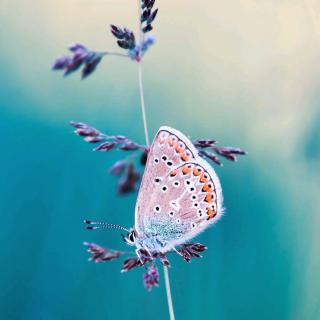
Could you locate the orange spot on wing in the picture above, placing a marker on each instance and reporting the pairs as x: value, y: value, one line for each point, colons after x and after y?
x: 204, y: 178
x: 207, y: 188
x: 211, y: 213
x: 209, y: 198
x: 178, y: 148
x: 196, y: 171
x: 173, y: 173
x: 184, y: 157
x: 171, y: 141
x: 186, y: 169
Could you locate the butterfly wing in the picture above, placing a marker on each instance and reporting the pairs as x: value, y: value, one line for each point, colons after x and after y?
x: 180, y: 193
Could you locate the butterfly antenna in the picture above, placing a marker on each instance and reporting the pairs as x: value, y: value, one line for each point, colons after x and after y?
x: 93, y: 225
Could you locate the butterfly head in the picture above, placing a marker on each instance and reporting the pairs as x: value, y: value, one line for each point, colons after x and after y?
x: 130, y: 237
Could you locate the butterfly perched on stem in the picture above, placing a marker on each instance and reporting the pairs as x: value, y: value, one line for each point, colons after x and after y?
x: 179, y: 197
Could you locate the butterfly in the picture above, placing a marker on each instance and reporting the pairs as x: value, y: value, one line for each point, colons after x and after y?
x: 180, y: 195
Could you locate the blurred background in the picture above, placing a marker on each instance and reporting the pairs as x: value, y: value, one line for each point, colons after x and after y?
x: 243, y: 72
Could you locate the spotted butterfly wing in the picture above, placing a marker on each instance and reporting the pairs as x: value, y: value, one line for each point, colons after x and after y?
x: 180, y: 193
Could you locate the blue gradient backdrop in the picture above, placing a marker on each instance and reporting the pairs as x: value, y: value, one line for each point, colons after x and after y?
x: 243, y: 72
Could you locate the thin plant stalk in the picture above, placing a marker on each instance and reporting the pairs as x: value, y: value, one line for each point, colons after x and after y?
x: 143, y: 108
x: 115, y: 54
x: 145, y: 126
x: 168, y: 290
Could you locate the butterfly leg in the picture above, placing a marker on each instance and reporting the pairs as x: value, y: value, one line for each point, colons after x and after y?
x: 176, y: 251
x: 149, y: 253
x: 139, y: 256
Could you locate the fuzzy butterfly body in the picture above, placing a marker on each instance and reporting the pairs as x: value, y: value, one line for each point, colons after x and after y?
x: 179, y: 197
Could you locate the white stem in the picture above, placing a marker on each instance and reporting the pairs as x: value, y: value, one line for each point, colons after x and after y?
x: 168, y: 290
x: 143, y: 108
x: 118, y: 54
x: 145, y: 125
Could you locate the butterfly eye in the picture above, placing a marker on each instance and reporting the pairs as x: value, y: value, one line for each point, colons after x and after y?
x: 157, y: 208
x: 131, y: 237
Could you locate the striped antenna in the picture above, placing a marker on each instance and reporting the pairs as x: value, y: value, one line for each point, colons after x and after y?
x: 94, y: 225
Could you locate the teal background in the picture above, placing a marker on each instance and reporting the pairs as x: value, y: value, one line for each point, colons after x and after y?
x: 243, y: 72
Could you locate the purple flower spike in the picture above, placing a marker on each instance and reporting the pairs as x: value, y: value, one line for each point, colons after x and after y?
x: 204, y: 143
x: 78, y: 125
x: 118, y: 168
x: 211, y: 157
x: 88, y: 133
x: 133, y: 175
x: 77, y: 47
x: 117, y: 32
x: 61, y: 63
x: 126, y: 37
x: 81, y: 57
x: 93, y: 139
x: 130, y: 263
x: 147, y: 15
x: 100, y: 254
x: 229, y: 153
x: 129, y: 146
x: 151, y: 277
x: 191, y: 250
x: 106, y: 146
x: 128, y: 182
x: 144, y: 157
x: 196, y: 246
x: 76, y: 61
x: 207, y: 145
x: 91, y: 64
